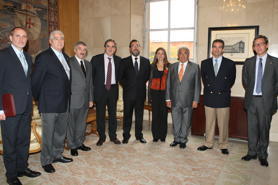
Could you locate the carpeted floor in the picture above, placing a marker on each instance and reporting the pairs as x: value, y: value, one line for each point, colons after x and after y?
x: 155, y: 163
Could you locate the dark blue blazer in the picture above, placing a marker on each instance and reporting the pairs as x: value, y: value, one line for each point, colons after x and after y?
x: 98, y: 75
x: 50, y: 84
x: 217, y: 89
x: 13, y: 80
x: 134, y: 86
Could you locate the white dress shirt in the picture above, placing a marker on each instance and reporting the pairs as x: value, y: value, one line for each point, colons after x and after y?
x: 106, y: 61
x: 138, y: 61
x: 79, y: 62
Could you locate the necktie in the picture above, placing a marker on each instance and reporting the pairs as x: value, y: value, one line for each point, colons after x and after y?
x: 108, y: 75
x: 24, y: 63
x: 83, y: 67
x: 181, y: 72
x: 259, y: 77
x: 136, y: 65
x: 215, y: 67
x: 65, y: 64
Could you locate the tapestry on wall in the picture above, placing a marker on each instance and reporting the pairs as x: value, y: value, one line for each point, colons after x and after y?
x: 31, y: 14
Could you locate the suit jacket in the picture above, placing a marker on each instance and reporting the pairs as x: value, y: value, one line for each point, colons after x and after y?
x: 134, y: 86
x: 217, y: 89
x: 81, y: 86
x: 269, y: 82
x: 98, y: 75
x: 186, y: 91
x: 50, y: 83
x: 14, y: 81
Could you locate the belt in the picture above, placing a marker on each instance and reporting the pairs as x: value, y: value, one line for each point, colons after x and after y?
x: 258, y: 96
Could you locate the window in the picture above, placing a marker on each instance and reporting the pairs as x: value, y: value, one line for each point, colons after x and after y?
x: 171, y: 25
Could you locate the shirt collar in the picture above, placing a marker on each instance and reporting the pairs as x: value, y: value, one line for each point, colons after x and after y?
x: 133, y: 58
x: 17, y: 51
x: 218, y: 59
x: 263, y: 57
x: 56, y: 51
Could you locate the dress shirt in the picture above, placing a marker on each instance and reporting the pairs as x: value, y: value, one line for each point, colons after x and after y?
x: 219, y: 60
x: 257, y: 65
x: 63, y: 61
x: 79, y: 62
x: 138, y: 61
x: 106, y: 61
x: 184, y: 66
x: 20, y: 54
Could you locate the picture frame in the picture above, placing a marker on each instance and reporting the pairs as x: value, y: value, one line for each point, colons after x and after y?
x: 238, y: 41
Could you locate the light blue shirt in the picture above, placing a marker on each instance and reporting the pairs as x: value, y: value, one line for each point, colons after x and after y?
x: 219, y: 60
x: 257, y: 65
x: 63, y: 61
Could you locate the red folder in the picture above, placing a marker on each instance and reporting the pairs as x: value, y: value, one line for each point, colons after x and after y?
x: 8, y: 105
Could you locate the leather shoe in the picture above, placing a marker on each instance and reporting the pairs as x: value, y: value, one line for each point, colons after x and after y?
x: 174, y: 143
x: 28, y: 173
x: 74, y: 152
x: 49, y: 168
x: 125, y: 141
x: 263, y: 162
x: 249, y: 157
x: 116, y: 141
x: 182, y: 145
x: 203, y: 148
x: 155, y: 140
x: 142, y: 140
x: 13, y: 181
x: 84, y: 148
x: 63, y: 160
x: 100, y: 142
x: 225, y: 151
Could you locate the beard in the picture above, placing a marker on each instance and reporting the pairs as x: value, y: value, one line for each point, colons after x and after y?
x: 135, y: 53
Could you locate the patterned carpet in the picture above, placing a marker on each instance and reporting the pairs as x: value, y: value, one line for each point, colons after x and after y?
x: 155, y: 163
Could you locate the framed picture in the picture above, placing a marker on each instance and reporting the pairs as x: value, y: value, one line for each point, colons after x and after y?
x: 238, y: 41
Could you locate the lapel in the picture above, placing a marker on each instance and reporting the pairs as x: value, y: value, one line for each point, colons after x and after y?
x: 267, y: 67
x: 58, y: 63
x: 141, y: 65
x: 102, y: 65
x: 253, y: 69
x: 221, y: 67
x: 116, y: 64
x: 78, y: 67
x: 18, y: 63
x: 186, y: 72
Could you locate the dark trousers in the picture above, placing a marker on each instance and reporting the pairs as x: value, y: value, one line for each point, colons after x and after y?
x: 16, y: 142
x: 109, y: 99
x: 129, y: 106
x: 159, y: 115
x: 258, y: 128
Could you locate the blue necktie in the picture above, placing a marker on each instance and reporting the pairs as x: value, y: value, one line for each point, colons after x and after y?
x: 259, y: 77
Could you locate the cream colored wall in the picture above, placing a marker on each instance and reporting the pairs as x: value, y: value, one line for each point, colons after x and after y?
x: 122, y: 20
x: 258, y: 12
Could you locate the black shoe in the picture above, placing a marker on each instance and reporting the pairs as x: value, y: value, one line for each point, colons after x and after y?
x: 249, y: 157
x: 125, y: 141
x: 116, y: 141
x: 84, y: 148
x: 28, y: 173
x: 162, y: 140
x: 13, y: 181
x: 49, y: 168
x: 263, y: 162
x: 155, y: 140
x: 174, y: 143
x: 100, y: 142
x: 63, y: 160
x: 142, y: 140
x: 225, y: 151
x: 203, y: 148
x: 74, y: 152
x: 182, y: 145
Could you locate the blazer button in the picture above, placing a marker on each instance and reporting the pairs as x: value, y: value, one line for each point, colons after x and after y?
x: 211, y: 92
x: 208, y: 85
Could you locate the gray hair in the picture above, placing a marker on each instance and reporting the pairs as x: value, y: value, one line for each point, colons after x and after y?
x: 184, y: 48
x: 79, y: 43
x: 51, y: 35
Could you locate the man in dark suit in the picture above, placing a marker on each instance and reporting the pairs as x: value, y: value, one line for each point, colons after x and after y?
x: 135, y: 74
x: 51, y: 88
x: 81, y: 98
x: 260, y: 81
x: 105, y: 75
x: 15, y: 79
x: 182, y: 95
x: 218, y: 76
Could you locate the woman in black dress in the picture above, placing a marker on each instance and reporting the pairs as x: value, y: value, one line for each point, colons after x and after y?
x: 157, y: 89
